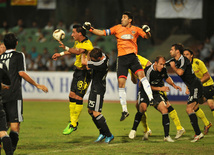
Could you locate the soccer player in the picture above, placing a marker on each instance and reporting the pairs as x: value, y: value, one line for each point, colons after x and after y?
x: 172, y: 112
x: 126, y: 35
x: 183, y: 68
x: 12, y: 98
x: 81, y: 76
x: 98, y: 62
x: 202, y: 73
x: 155, y: 74
x: 4, y: 137
x: 144, y: 63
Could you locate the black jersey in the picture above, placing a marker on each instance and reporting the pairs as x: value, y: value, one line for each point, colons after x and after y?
x: 15, y: 62
x: 188, y: 76
x: 99, y: 73
x: 4, y: 76
x: 154, y: 77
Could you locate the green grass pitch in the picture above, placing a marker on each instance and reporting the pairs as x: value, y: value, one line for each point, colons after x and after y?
x: 44, y: 121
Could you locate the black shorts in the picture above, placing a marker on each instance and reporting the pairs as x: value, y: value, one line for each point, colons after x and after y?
x: 14, y: 110
x: 209, y: 92
x: 95, y: 101
x: 160, y: 96
x: 142, y: 96
x: 80, y: 82
x: 196, y: 92
x: 3, y: 122
x: 125, y: 62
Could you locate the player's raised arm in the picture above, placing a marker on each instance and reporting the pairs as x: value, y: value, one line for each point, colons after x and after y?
x: 87, y: 26
x: 146, y: 29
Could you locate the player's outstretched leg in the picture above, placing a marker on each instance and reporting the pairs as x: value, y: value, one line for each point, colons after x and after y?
x: 122, y: 95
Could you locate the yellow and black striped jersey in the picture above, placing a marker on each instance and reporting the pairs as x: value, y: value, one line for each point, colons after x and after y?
x: 200, y: 69
x: 85, y: 44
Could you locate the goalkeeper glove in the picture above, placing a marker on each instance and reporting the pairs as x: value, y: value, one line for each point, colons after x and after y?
x: 146, y: 28
x: 87, y: 26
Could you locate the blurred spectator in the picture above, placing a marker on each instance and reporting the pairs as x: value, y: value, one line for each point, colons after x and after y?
x: 211, y: 65
x: 33, y: 53
x: 29, y: 39
x: 69, y: 60
x: 50, y: 65
x: 49, y: 26
x: 46, y: 55
x: 19, y: 24
x: 32, y: 66
x: 23, y: 49
x: 38, y: 32
x: 205, y: 52
x: 212, y: 41
x: 34, y: 24
x: 61, y: 25
x: 28, y: 60
x: 40, y: 60
x: 41, y: 38
x: 63, y: 66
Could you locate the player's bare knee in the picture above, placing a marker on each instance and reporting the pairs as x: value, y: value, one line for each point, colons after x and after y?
x: 96, y: 113
x: 72, y: 94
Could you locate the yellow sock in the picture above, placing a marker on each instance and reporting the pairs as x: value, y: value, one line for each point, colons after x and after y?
x: 144, y: 122
x: 202, y: 116
x: 76, y: 115
x: 174, y: 116
x: 72, y: 106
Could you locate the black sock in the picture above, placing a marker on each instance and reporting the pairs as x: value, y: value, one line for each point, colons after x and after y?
x: 14, y: 139
x: 95, y: 122
x: 101, y: 121
x: 194, y: 122
x: 165, y: 123
x: 7, y: 145
x: 137, y: 120
x: 170, y: 108
x: 196, y: 109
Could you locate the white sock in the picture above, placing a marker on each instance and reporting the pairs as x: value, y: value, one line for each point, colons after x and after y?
x: 122, y: 96
x: 147, y: 88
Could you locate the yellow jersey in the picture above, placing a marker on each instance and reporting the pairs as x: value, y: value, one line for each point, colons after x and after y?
x: 200, y: 69
x: 85, y: 44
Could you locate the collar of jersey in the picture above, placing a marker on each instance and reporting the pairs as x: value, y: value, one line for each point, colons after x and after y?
x: 8, y: 51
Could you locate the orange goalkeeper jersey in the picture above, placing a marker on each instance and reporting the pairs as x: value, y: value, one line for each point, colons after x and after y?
x: 126, y: 38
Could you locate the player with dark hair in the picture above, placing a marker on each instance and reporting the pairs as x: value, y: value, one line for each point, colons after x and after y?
x: 183, y: 68
x: 98, y: 62
x: 12, y: 98
x: 155, y: 74
x: 126, y: 35
x: 202, y: 73
x: 4, y: 137
x: 81, y: 76
x: 171, y: 111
